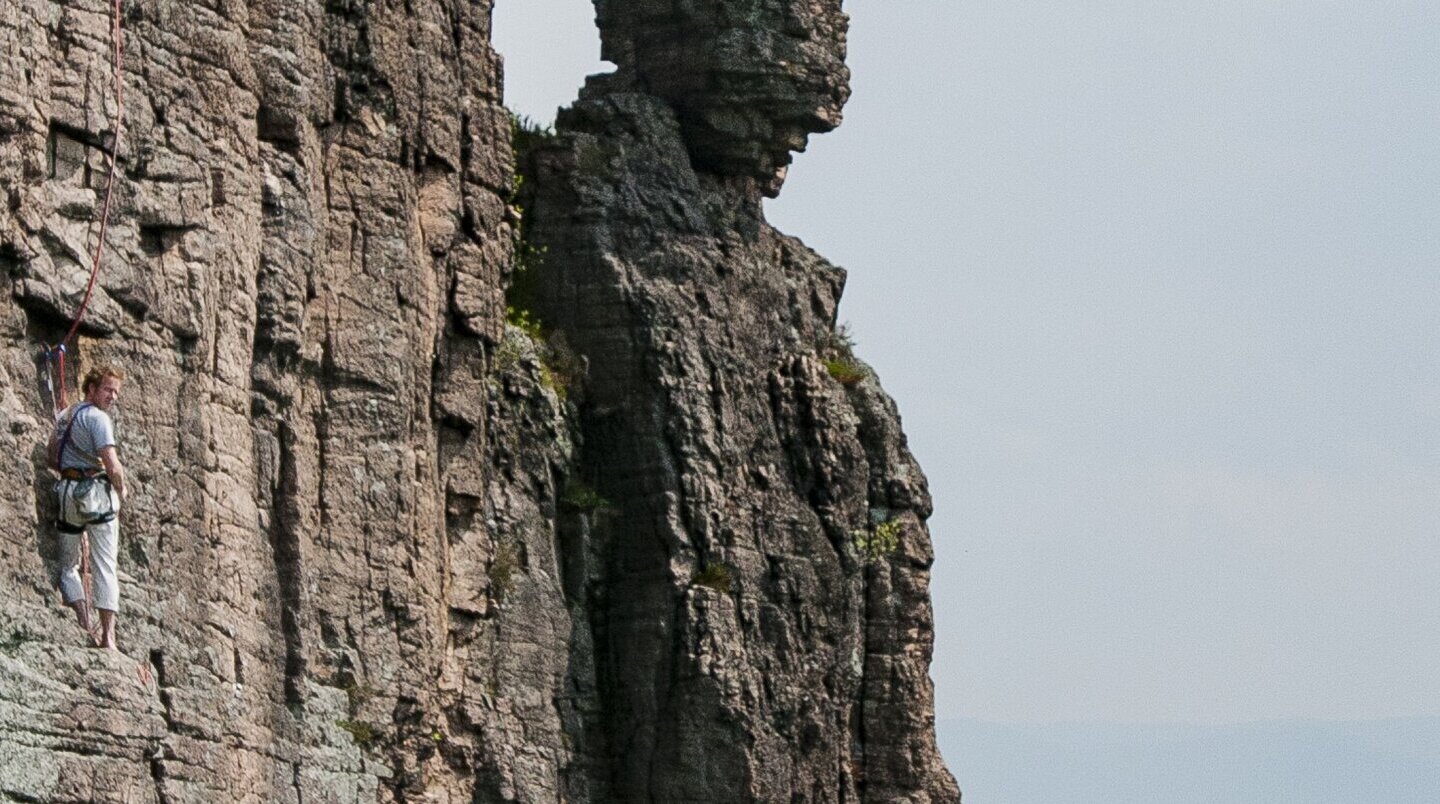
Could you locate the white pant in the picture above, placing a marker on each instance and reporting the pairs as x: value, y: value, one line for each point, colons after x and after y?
x: 104, y: 540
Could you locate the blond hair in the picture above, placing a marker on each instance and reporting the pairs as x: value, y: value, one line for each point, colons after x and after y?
x: 99, y: 374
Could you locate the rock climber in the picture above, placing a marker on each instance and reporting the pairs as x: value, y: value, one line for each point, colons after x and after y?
x: 90, y: 492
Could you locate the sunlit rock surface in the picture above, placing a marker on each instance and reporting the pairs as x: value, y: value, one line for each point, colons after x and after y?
x: 385, y: 545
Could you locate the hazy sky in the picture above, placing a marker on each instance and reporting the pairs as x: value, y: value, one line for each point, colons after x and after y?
x: 1155, y: 287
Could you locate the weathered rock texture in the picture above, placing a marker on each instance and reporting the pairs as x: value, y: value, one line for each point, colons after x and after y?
x: 364, y: 559
x: 748, y: 79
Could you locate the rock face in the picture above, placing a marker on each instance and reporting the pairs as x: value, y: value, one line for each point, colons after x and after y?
x: 748, y: 80
x: 636, y: 543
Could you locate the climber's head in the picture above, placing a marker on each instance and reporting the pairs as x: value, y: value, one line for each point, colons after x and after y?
x: 102, y: 386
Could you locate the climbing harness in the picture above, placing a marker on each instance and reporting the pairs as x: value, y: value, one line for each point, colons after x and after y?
x: 86, y: 497
x: 75, y: 484
x: 56, y: 354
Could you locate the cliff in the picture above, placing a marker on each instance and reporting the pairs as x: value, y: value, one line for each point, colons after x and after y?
x: 470, y: 463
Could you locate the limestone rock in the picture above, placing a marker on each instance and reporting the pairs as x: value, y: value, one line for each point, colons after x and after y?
x: 385, y: 544
x: 749, y: 80
x: 756, y: 642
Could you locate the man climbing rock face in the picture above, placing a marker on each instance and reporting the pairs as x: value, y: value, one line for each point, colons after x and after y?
x: 90, y: 492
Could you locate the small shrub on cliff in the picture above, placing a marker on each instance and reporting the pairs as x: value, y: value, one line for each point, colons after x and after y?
x: 840, y: 342
x: 525, y: 321
x: 525, y: 133
x: 579, y: 496
x: 361, y: 732
x: 508, y: 354
x: 551, y: 380
x: 837, y: 351
x: 715, y: 576
x: 847, y: 371
x: 528, y: 257
x: 561, y: 370
x: 877, y: 542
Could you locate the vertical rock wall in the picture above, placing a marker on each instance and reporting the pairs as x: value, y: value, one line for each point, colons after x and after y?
x: 364, y: 559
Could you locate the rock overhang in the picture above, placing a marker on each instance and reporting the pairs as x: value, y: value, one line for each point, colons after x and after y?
x: 749, y: 81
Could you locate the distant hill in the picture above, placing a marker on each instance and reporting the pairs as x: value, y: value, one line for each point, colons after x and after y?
x: 1374, y: 762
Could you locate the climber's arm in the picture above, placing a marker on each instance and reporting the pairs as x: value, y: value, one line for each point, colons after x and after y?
x: 113, y: 469
x: 52, y: 457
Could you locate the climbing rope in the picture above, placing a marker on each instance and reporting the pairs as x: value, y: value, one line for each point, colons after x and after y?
x: 59, y: 400
x: 56, y: 354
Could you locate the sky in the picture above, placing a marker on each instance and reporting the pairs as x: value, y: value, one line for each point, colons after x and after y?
x: 1154, y: 285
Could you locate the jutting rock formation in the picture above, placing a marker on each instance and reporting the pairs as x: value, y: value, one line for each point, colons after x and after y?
x: 464, y: 471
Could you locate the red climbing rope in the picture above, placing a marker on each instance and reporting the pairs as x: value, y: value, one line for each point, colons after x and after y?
x: 57, y: 352
x: 59, y: 401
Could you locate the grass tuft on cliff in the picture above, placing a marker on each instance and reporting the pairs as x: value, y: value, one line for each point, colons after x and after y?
x: 361, y: 732
x: 715, y: 576
x: 849, y: 372
x: 837, y: 352
x: 579, y: 496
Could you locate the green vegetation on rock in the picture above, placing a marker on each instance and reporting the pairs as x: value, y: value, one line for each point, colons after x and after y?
x: 879, y: 541
x: 715, y: 576
x: 579, y: 496
x: 361, y: 732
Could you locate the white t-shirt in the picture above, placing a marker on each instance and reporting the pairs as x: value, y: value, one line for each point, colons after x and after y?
x: 93, y: 431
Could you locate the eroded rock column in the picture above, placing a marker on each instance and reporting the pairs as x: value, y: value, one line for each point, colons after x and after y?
x: 751, y: 643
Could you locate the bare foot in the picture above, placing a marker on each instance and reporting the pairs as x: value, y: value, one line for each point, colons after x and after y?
x: 82, y: 613
x: 82, y: 616
x: 107, y: 630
